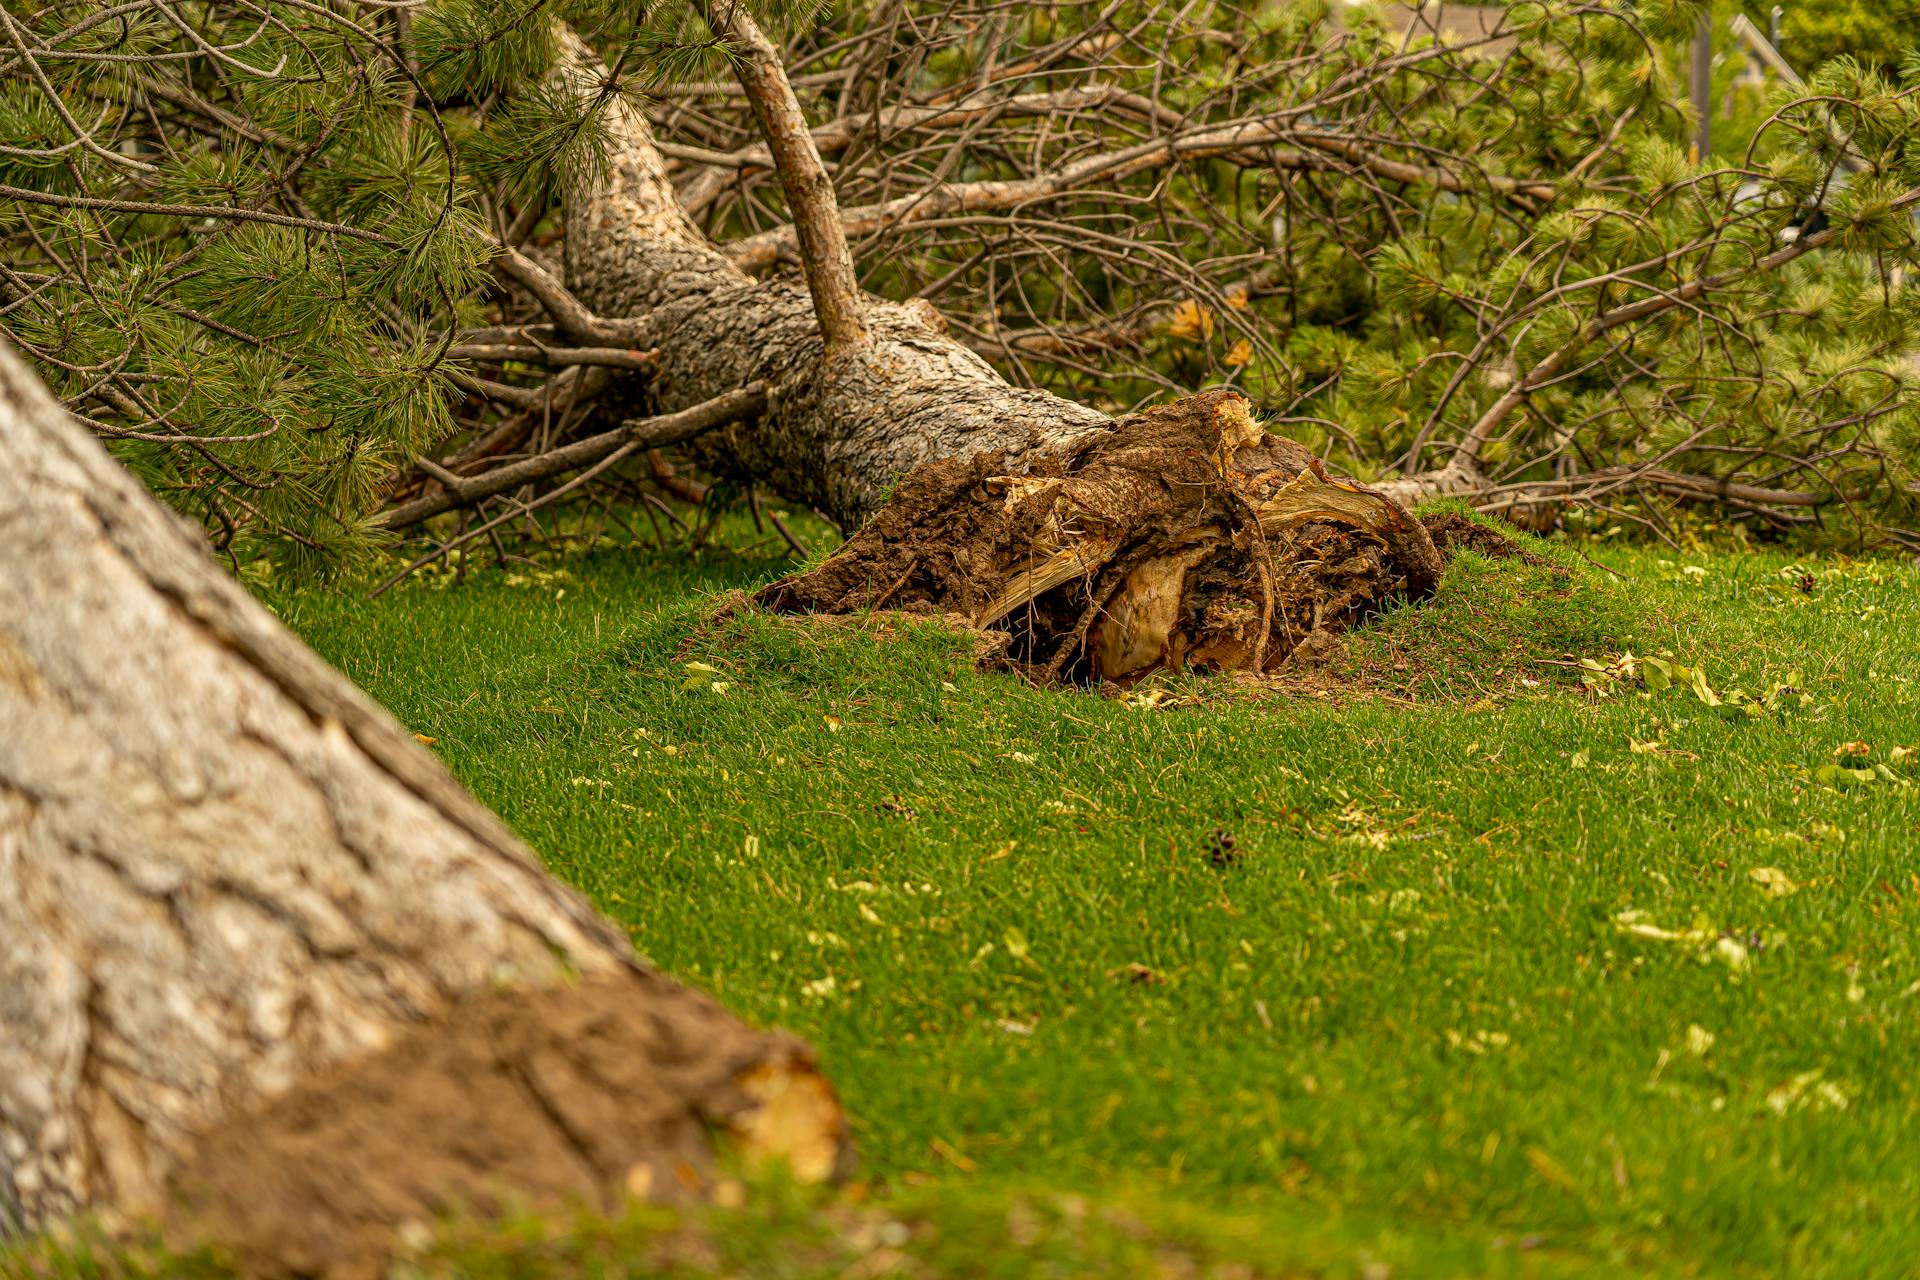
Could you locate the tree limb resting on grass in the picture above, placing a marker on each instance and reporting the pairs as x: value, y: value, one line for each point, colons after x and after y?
x: 642, y: 433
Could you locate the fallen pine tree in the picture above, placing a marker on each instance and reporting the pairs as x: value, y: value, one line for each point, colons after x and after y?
x: 455, y: 272
x: 243, y: 912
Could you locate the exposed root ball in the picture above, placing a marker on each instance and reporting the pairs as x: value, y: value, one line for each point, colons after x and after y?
x: 1185, y: 538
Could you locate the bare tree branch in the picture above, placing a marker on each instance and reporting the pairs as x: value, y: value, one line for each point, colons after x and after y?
x: 822, y: 241
x: 229, y: 212
x: 641, y: 433
x: 1462, y: 471
x: 566, y: 310
x: 1250, y: 142
x: 633, y: 360
x: 837, y: 135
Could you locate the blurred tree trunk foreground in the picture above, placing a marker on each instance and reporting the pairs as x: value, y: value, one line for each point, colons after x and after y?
x: 264, y: 965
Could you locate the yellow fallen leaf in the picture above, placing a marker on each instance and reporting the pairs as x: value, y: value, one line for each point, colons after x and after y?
x: 1191, y: 322
x: 1810, y: 1090
x: 421, y: 737
x: 796, y: 1119
x: 1635, y: 924
x: 1016, y: 943
x: 946, y: 1151
x: 1551, y: 1170
x: 1777, y: 883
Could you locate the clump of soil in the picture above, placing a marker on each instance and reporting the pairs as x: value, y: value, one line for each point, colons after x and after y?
x: 539, y: 1098
x: 1452, y: 533
x: 1185, y: 539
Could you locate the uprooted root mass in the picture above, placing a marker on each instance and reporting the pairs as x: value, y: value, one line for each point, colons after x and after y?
x: 1186, y: 538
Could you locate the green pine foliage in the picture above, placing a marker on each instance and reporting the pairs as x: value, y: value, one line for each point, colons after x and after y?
x: 241, y: 246
x: 1382, y: 316
x: 271, y: 364
x: 1377, y: 319
x: 1875, y: 31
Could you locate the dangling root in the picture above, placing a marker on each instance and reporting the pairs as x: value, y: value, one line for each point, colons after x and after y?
x: 1185, y: 538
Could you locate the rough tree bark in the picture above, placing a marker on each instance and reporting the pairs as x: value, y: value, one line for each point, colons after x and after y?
x: 836, y: 434
x: 262, y: 961
x: 1105, y: 548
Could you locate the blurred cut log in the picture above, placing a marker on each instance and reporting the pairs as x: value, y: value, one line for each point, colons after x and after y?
x: 266, y: 970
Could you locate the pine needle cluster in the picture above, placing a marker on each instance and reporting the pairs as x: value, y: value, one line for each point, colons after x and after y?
x: 238, y: 238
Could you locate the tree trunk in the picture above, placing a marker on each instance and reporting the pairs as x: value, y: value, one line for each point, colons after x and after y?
x: 261, y: 957
x: 838, y: 432
x: 1106, y: 550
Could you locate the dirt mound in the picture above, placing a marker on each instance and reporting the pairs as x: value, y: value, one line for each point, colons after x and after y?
x: 537, y: 1098
x: 1452, y: 532
x: 1185, y: 538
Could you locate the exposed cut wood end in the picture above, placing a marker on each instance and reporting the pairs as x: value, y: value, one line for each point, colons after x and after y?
x: 797, y: 1119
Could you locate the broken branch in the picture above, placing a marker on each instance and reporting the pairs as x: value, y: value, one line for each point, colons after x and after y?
x: 822, y: 240
x: 642, y: 433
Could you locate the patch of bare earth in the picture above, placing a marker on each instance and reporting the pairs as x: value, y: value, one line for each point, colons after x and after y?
x: 1418, y: 662
x: 1453, y: 533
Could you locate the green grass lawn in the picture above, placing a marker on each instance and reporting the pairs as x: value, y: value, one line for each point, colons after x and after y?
x: 1487, y: 983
